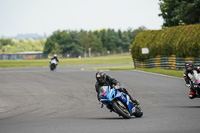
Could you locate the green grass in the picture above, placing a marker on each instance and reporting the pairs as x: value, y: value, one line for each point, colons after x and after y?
x: 175, y: 73
x: 128, y: 67
x: 115, y: 59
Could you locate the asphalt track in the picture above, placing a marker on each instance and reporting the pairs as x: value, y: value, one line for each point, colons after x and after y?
x: 36, y: 100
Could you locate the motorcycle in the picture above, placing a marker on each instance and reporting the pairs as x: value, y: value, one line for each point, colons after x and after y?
x: 195, y: 83
x: 119, y: 103
x: 196, y: 87
x: 53, y: 64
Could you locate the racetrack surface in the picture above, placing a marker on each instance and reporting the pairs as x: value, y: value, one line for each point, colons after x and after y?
x: 36, y: 100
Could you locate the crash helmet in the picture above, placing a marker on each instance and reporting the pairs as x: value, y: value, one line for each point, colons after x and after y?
x: 100, y: 76
x: 55, y: 55
x: 189, y: 66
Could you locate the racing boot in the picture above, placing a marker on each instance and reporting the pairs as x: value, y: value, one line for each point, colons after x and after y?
x: 135, y: 101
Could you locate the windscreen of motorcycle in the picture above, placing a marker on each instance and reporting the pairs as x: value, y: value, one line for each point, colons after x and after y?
x: 103, y: 89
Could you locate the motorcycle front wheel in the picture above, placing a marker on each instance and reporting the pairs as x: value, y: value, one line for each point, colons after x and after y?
x: 52, y: 67
x: 121, y: 109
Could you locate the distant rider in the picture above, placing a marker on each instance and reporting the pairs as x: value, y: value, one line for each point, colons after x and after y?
x: 55, y: 57
x: 103, y: 79
x: 189, y: 76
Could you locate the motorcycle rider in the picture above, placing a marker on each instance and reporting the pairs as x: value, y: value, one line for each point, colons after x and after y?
x: 55, y: 57
x: 189, y: 76
x: 103, y: 79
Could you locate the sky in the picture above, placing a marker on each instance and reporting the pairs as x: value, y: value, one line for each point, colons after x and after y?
x: 46, y: 16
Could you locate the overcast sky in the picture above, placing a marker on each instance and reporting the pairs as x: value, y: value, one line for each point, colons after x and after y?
x: 47, y: 16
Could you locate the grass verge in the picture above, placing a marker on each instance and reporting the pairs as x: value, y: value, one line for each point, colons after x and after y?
x: 114, y: 59
x: 127, y: 67
x: 175, y: 73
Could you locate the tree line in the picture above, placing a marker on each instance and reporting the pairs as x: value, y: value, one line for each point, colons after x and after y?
x: 77, y: 43
x: 9, y: 45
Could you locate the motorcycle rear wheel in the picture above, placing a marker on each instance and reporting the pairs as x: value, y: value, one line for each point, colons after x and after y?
x: 138, y: 112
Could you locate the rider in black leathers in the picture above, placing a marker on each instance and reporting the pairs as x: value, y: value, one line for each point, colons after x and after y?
x: 103, y: 79
x: 189, y: 76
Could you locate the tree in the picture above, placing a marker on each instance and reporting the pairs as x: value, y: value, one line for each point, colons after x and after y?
x: 190, y: 11
x: 63, y: 42
x: 111, y: 38
x: 90, y: 40
x: 76, y: 43
x: 95, y: 43
x: 179, y: 12
x: 103, y: 37
x: 5, y: 42
x: 84, y: 39
x: 74, y: 50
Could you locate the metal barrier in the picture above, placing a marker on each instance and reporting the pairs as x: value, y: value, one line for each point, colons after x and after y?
x: 166, y: 62
x: 22, y: 55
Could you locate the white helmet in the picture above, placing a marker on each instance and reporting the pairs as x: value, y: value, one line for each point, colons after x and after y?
x: 55, y: 55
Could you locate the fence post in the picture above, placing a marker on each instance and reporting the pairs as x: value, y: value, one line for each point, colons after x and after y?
x: 157, y: 62
x: 135, y: 63
x: 143, y: 64
x: 165, y: 62
x: 172, y: 62
x: 189, y: 59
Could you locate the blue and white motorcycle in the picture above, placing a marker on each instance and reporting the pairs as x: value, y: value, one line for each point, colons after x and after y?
x: 119, y: 103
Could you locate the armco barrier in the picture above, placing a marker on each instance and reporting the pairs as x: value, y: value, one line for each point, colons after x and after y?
x: 165, y: 62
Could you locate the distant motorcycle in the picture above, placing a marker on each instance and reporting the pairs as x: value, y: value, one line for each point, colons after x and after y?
x: 119, y: 103
x: 53, y: 64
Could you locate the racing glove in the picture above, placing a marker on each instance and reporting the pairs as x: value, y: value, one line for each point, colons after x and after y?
x: 117, y: 87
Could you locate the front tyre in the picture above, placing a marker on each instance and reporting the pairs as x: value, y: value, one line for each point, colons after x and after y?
x: 52, y: 67
x: 138, y: 112
x: 121, y: 109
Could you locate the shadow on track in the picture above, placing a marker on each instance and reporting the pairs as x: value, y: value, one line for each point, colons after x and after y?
x: 183, y: 106
x: 111, y: 118
x: 188, y: 106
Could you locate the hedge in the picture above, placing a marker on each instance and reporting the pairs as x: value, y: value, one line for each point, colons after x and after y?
x: 182, y: 41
